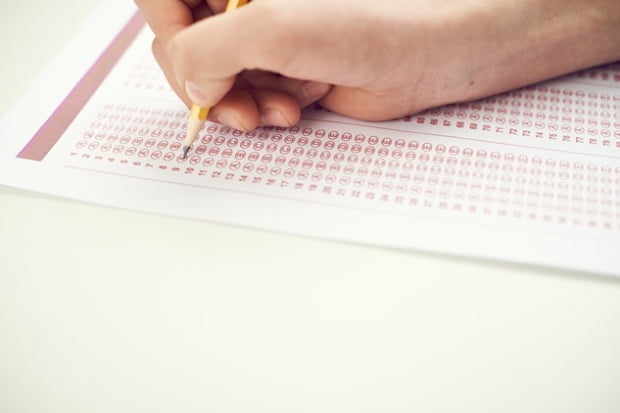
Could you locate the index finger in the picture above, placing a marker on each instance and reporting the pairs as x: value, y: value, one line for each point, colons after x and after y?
x: 167, y: 17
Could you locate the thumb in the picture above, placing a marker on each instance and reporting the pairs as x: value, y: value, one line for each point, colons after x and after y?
x: 206, y: 56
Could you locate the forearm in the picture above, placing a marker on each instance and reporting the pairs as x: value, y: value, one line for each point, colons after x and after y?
x: 549, y: 39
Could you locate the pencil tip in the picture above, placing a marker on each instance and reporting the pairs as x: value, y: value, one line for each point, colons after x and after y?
x: 185, y: 151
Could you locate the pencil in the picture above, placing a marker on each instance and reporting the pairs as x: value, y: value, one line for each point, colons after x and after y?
x: 197, y: 114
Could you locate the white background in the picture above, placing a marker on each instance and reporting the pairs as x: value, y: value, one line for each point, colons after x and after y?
x: 106, y: 310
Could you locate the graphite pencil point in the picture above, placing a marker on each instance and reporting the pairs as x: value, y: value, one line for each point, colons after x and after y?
x: 186, y: 149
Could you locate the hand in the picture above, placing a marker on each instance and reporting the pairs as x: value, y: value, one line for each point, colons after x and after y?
x: 385, y: 58
x: 257, y: 98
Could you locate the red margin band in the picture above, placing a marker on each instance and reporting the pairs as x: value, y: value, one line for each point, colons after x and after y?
x: 51, y: 131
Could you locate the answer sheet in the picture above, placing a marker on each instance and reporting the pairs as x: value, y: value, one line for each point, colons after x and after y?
x: 530, y: 176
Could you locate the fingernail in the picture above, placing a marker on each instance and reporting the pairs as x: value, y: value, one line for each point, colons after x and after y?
x: 230, y: 120
x: 274, y: 117
x: 195, y: 93
x: 314, y: 90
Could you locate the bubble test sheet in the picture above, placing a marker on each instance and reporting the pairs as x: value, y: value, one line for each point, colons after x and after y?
x: 529, y: 176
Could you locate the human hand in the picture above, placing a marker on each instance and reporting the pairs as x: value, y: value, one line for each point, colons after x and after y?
x: 257, y: 98
x: 385, y: 59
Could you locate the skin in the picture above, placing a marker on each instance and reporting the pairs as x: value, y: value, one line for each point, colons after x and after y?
x: 372, y: 60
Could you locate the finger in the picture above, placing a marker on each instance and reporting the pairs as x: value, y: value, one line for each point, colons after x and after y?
x: 242, y: 108
x: 202, y: 11
x: 305, y: 92
x: 207, y: 56
x: 167, y: 17
x: 246, y: 109
x: 238, y: 109
x: 218, y: 6
x: 276, y: 108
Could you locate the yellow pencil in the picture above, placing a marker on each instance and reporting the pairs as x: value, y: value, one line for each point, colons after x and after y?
x: 198, y: 115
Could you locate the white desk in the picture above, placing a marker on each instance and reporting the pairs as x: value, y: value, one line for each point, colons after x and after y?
x: 105, y: 310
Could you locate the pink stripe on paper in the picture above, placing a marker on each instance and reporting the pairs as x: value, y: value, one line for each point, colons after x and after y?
x: 51, y: 131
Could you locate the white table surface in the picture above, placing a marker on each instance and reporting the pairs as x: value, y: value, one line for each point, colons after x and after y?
x: 107, y: 310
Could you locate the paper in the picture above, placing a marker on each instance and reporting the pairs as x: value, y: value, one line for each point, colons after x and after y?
x: 530, y: 176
